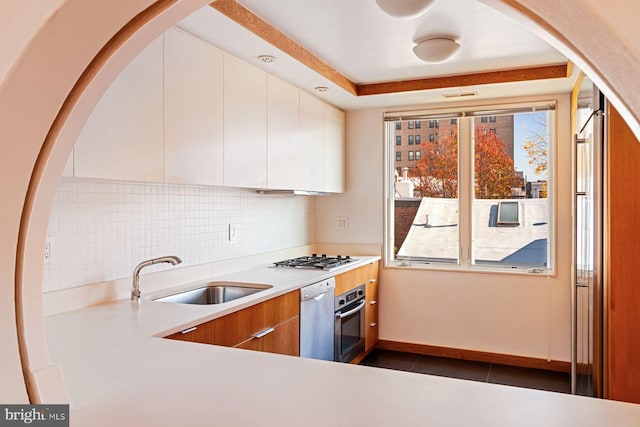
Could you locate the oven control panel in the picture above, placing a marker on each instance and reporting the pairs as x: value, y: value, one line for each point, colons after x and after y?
x: 349, y: 297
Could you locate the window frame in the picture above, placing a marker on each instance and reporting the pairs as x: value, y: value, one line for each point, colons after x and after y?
x: 465, y: 195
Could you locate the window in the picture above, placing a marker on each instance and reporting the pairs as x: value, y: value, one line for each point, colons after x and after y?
x: 492, y: 119
x: 398, y: 140
x: 398, y: 125
x: 494, y: 214
x: 417, y: 124
x: 454, y: 121
x: 410, y: 139
x: 434, y: 124
x: 398, y: 156
x: 410, y: 123
x: 508, y: 214
x: 417, y: 139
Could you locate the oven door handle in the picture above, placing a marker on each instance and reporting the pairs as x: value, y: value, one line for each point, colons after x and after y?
x: 350, y: 312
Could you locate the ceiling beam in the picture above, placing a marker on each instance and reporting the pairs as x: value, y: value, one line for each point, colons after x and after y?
x: 491, y: 77
x: 243, y: 16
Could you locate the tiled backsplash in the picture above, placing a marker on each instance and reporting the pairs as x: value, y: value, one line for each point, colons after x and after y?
x: 102, y: 229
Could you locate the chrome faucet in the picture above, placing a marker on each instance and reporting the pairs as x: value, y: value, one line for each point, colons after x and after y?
x: 135, y: 290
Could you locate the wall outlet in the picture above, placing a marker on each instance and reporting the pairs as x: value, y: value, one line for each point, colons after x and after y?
x: 232, y: 233
x: 342, y: 222
x: 48, y: 250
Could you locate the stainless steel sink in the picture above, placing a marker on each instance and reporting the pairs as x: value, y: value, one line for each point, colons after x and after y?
x: 214, y: 293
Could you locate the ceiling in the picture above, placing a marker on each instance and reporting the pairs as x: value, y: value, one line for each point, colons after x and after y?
x: 364, y: 44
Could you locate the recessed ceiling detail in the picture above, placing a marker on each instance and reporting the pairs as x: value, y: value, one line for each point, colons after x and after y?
x: 243, y: 16
x: 476, y: 79
x: 373, y: 52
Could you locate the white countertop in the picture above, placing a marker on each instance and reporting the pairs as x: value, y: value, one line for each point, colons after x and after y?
x: 118, y: 372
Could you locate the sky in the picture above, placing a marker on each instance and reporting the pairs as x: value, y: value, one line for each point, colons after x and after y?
x: 523, y: 124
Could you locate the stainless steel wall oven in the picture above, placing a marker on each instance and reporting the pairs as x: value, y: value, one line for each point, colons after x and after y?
x: 349, y: 324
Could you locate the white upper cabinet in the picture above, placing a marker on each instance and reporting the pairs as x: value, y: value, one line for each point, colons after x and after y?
x: 283, y: 143
x: 245, y: 124
x: 334, y: 149
x: 193, y: 110
x: 310, y: 168
x: 122, y: 138
x: 185, y: 112
x: 68, y: 167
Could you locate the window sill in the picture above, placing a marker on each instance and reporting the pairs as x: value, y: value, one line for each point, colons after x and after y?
x: 456, y: 268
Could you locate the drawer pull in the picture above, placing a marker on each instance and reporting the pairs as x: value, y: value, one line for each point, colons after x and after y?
x: 372, y: 280
x: 373, y: 302
x: 186, y: 331
x: 372, y: 325
x: 263, y: 333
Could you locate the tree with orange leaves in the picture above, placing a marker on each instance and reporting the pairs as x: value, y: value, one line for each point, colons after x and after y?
x: 436, y: 173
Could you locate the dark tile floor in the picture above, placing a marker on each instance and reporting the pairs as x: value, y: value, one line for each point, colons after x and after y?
x: 470, y: 370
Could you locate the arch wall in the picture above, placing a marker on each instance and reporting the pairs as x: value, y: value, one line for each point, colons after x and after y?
x: 47, y: 91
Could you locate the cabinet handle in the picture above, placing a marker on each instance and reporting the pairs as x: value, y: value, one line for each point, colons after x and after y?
x: 263, y: 333
x: 372, y: 280
x: 186, y: 331
x: 373, y: 302
x: 372, y: 325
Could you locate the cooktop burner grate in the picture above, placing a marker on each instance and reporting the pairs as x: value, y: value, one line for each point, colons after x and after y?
x: 320, y: 262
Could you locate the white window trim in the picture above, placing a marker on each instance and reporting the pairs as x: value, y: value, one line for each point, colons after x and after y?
x: 465, y: 195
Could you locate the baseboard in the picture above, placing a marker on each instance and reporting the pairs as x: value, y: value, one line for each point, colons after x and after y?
x: 478, y: 356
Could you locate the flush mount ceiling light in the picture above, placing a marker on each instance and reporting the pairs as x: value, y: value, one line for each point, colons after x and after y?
x: 404, y: 9
x: 321, y: 88
x: 266, y: 58
x: 436, y: 50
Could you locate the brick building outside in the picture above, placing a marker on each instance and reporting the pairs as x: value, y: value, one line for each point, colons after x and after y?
x: 409, y: 135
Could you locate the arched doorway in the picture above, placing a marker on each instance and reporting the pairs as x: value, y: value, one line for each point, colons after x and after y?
x: 116, y: 37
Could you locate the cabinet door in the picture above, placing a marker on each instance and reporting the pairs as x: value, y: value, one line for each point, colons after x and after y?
x: 122, y: 139
x: 192, y: 110
x: 350, y: 279
x: 334, y: 150
x: 311, y: 163
x: 371, y: 311
x: 235, y: 328
x: 283, y: 150
x: 285, y: 338
x: 245, y: 125
x: 203, y: 333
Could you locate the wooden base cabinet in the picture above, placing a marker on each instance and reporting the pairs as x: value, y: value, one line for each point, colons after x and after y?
x: 371, y: 312
x: 281, y: 339
x: 203, y: 333
x: 272, y: 326
x: 366, y: 275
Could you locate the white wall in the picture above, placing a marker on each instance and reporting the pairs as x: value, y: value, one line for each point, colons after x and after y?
x: 511, y: 314
x: 102, y: 229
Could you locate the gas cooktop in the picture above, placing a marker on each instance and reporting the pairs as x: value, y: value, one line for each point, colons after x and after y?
x: 320, y: 262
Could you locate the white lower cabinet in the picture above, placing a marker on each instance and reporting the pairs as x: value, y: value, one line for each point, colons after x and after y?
x: 122, y: 139
x: 193, y: 110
